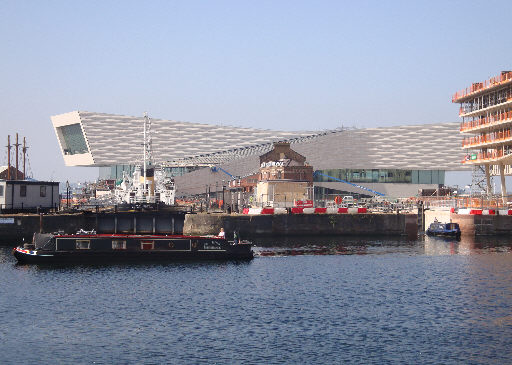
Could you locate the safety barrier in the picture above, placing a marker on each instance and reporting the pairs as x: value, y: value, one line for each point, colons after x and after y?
x: 499, y: 136
x: 498, y: 118
x: 270, y: 211
x: 501, y: 79
x: 486, y: 156
x: 301, y: 210
x: 482, y: 211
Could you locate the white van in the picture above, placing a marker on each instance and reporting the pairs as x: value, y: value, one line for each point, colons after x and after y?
x: 348, y: 200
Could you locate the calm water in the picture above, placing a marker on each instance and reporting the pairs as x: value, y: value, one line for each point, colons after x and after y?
x: 423, y: 302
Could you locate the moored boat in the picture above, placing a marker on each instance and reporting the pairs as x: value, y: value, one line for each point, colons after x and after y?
x: 437, y: 228
x: 89, y: 247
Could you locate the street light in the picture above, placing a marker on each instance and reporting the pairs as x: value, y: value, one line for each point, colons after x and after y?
x: 67, y: 193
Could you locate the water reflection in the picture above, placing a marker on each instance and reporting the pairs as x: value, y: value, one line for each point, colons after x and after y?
x: 334, y: 245
x: 467, y: 245
x: 361, y: 245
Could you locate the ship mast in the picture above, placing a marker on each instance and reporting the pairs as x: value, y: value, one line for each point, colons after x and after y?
x: 147, y: 149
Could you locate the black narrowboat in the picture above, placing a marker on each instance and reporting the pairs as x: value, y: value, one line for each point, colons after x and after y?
x: 89, y: 247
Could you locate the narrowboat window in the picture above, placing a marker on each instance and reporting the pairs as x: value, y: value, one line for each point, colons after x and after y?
x: 118, y: 245
x: 42, y: 191
x: 2, y: 190
x: 147, y: 245
x: 23, y: 190
x: 83, y: 244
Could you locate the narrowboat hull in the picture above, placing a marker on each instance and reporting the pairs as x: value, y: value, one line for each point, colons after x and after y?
x: 129, y: 248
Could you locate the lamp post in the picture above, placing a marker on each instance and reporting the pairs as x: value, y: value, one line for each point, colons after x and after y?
x: 223, y: 195
x: 67, y: 193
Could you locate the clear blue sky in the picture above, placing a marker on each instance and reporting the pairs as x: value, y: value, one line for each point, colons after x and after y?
x: 268, y: 64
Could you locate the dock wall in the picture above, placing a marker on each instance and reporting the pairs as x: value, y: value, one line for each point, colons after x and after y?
x: 303, y: 224
x: 473, y: 225
x: 16, y: 228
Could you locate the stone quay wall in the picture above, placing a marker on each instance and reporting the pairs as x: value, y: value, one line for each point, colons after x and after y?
x: 16, y: 228
x: 302, y: 224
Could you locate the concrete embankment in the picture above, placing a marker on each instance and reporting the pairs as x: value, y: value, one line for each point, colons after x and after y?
x: 303, y: 224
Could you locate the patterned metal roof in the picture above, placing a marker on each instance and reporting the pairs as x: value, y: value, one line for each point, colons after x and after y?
x: 413, y: 147
x: 418, y: 147
x: 117, y: 139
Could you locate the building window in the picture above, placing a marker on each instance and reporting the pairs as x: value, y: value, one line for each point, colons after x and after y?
x: 147, y: 245
x: 1, y: 190
x: 42, y: 191
x: 118, y: 245
x: 83, y: 244
x: 72, y: 139
x: 23, y: 190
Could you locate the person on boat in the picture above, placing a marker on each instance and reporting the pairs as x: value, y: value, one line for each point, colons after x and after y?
x: 235, y: 238
x: 222, y: 234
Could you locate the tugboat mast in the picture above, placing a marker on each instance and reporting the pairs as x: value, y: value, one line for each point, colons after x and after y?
x: 147, y: 150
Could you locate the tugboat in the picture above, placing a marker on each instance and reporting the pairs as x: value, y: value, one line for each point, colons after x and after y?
x: 437, y: 228
x: 149, y: 183
x: 89, y: 247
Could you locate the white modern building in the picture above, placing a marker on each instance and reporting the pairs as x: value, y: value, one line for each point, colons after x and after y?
x: 395, y: 161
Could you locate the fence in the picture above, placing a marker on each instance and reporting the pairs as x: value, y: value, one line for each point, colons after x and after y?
x: 495, y: 202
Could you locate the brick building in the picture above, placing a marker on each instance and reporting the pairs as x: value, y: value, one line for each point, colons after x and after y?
x: 4, y: 173
x: 284, y: 177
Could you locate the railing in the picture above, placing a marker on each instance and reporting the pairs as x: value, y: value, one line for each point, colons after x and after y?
x: 493, y: 137
x: 487, y: 121
x: 478, y: 86
x: 494, y: 202
x: 486, y: 156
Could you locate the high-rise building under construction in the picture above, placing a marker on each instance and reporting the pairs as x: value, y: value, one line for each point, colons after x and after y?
x: 486, y: 111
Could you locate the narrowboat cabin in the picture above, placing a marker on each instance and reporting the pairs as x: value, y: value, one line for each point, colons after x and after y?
x: 90, y: 247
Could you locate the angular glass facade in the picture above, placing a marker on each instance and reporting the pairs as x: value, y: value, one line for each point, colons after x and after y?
x: 381, y: 176
x: 116, y: 172
x: 72, y: 139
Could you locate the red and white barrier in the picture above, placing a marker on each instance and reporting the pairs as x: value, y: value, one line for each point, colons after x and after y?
x: 484, y: 211
x: 302, y: 210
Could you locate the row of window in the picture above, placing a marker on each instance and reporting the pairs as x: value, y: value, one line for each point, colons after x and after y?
x: 23, y: 191
x: 116, y: 245
x: 381, y: 176
x: 120, y: 245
